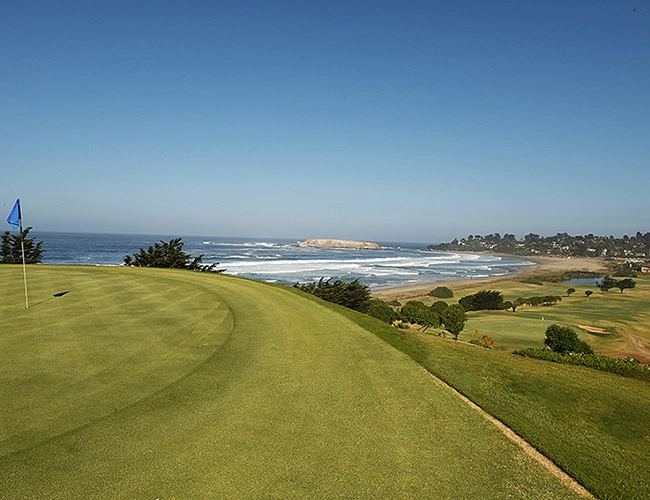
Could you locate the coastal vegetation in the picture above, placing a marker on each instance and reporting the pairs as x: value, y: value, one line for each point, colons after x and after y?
x: 168, y: 254
x: 442, y: 292
x: 12, y: 246
x: 353, y: 295
x: 562, y: 244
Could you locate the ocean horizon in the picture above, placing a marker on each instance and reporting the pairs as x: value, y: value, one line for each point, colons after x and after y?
x: 281, y: 260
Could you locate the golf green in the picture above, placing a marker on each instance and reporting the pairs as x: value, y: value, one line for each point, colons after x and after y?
x: 147, y: 383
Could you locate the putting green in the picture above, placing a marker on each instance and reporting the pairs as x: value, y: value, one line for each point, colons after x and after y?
x: 144, y: 383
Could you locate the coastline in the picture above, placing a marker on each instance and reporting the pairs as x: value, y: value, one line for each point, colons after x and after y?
x: 541, y: 265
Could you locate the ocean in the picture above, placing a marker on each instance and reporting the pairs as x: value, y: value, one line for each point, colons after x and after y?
x: 282, y: 261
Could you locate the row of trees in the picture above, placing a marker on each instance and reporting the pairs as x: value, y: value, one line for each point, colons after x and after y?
x: 607, y: 283
x: 440, y: 314
x: 637, y: 246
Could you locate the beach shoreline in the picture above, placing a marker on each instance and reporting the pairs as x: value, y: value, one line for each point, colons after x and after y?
x: 541, y: 265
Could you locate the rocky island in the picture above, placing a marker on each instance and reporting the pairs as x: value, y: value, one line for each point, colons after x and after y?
x: 323, y: 243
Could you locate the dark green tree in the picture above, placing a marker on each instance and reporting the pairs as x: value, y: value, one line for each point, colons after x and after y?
x: 454, y: 319
x: 563, y: 339
x: 417, y: 313
x: 625, y: 283
x: 588, y: 293
x: 570, y: 291
x: 483, y: 300
x: 11, y: 248
x: 168, y: 255
x: 607, y: 283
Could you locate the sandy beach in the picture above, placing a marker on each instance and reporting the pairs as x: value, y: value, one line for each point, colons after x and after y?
x: 542, y: 265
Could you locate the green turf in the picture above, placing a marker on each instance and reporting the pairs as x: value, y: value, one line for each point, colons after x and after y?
x: 595, y: 425
x: 144, y: 383
x: 625, y: 316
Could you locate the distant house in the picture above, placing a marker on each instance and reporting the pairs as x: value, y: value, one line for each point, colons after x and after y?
x: 645, y: 268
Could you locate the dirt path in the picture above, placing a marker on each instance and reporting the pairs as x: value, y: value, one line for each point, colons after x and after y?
x: 567, y: 480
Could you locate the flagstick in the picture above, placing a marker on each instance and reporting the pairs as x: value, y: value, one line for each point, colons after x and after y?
x: 22, y: 247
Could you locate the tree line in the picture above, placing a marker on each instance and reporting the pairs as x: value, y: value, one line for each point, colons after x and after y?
x: 562, y: 244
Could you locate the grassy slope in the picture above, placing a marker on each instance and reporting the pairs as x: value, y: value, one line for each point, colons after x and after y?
x: 292, y: 400
x: 595, y: 425
x: 625, y: 315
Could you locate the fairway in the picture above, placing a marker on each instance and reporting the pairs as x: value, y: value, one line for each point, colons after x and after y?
x: 142, y: 383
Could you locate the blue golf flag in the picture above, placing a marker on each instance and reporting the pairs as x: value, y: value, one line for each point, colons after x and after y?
x: 14, y: 218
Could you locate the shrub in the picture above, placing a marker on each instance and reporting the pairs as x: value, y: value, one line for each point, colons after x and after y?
x: 380, y: 310
x: 484, y: 341
x: 167, y: 255
x: 627, y: 367
x: 562, y: 339
x: 531, y: 281
x: 441, y: 292
x: 439, y: 307
x: 352, y: 295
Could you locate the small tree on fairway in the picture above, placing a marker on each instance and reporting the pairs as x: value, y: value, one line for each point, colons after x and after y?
x: 625, y: 283
x: 563, y: 339
x: 570, y: 291
x: 454, y: 319
x: 607, y: 283
x: 11, y: 248
x: 588, y: 293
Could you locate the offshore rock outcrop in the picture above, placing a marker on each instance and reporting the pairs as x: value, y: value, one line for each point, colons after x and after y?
x: 325, y: 243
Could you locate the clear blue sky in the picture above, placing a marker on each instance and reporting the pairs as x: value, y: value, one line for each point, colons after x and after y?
x: 390, y: 121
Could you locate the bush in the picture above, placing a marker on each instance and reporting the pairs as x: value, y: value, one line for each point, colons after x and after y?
x: 540, y: 300
x: 167, y: 255
x: 439, y: 307
x: 531, y: 281
x: 352, y: 295
x: 380, y: 310
x: 484, y: 341
x: 441, y: 292
x: 562, y: 339
x: 627, y: 367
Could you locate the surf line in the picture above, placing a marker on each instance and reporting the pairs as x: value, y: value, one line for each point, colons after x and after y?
x: 533, y: 452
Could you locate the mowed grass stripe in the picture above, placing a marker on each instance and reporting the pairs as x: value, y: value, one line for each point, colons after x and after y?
x: 298, y: 402
x: 68, y: 361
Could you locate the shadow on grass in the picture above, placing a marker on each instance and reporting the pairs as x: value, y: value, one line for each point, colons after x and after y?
x: 58, y: 294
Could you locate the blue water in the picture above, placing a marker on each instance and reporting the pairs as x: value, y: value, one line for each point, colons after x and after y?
x: 282, y: 261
